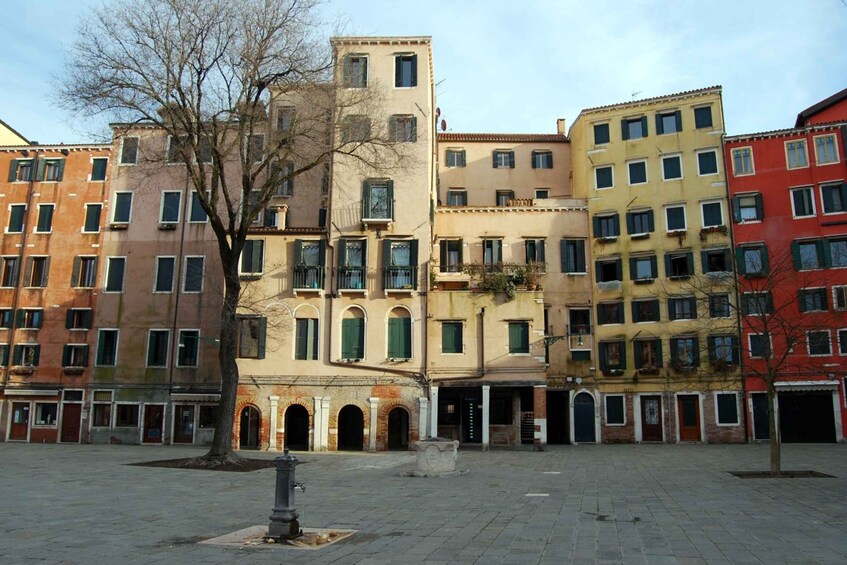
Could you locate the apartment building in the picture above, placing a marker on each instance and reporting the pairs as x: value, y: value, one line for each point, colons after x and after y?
x: 666, y: 339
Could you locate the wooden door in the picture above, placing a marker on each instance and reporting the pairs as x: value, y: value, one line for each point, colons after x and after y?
x: 688, y: 409
x: 184, y: 423
x: 20, y: 421
x: 583, y: 419
x: 761, y: 429
x: 71, y: 414
x: 248, y: 436
x: 651, y: 418
x: 154, y: 416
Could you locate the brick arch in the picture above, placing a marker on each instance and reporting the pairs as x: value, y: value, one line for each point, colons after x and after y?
x: 382, y: 423
x: 283, y: 409
x: 333, y: 421
x: 264, y: 422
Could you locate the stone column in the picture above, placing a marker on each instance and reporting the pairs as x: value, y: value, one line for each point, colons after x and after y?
x: 433, y: 420
x: 539, y: 401
x: 324, y: 423
x: 374, y: 402
x: 486, y: 415
x: 316, y: 425
x: 423, y: 403
x: 274, y: 427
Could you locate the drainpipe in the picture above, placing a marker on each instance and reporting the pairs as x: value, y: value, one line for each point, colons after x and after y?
x: 178, y: 289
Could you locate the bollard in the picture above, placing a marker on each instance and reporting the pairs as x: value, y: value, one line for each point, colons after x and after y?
x: 284, y: 524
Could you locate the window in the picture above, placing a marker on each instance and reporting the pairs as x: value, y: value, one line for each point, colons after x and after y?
x: 492, y: 252
x: 9, y: 275
x: 400, y: 263
x: 645, y: 310
x: 251, y: 337
x: 742, y: 161
x: 518, y: 338
x: 101, y: 409
x: 752, y: 260
x: 712, y: 214
x: 355, y: 129
x: 726, y: 404
x: 26, y: 354
x: 818, y: 343
x: 196, y: 213
x: 716, y: 260
x: 92, y: 218
x: 808, y: 254
x: 573, y: 256
x: 204, y: 148
x: 612, y: 356
x: 30, y: 318
x: 542, y: 159
x: 748, y: 208
x: 834, y: 197
x: 75, y: 355
x: 609, y: 270
x: 826, y: 149
x: 399, y: 334
x: 46, y: 413
x: 403, y: 129
x: 607, y: 225
x: 671, y: 167
x: 16, y: 218
x: 178, y: 149
x: 356, y: 71
x: 123, y: 208
x: 164, y: 276
x: 759, y: 347
x: 451, y: 255
x: 647, y: 353
x: 601, y: 134
x: 542, y: 193
x: 682, y: 308
x: 451, y: 337
x: 306, y: 339
x: 456, y: 197
x: 455, y: 158
x: 703, y: 117
x: 309, y: 260
x: 604, y: 177
x: 45, y: 218
x: 126, y: 415
x: 839, y: 298
x: 639, y: 222
x: 193, y: 278
x: 20, y: 170
x: 842, y: 342
x: 796, y: 154
x: 36, y: 271
x: 723, y: 349
x: 169, y: 210
x: 707, y: 162
x: 252, y: 257
x: 643, y: 268
x: 685, y: 354
x: 254, y: 146
x: 98, y: 169
x: 679, y: 265
x: 115, y: 267
x: 78, y: 319
x: 634, y: 128
x: 534, y: 251
x: 84, y: 274
x: 610, y: 313
x: 503, y: 197
x: 803, y: 202
x: 378, y: 200
x: 157, y: 348
x: 637, y: 172
x: 615, y: 412
x: 207, y: 418
x: 757, y: 303
x: 503, y: 159
x: 668, y: 122
x: 837, y: 252
x: 285, y: 119
x: 51, y: 170
x: 5, y: 318
x: 352, y: 263
x: 353, y: 334
x: 129, y: 150
x: 405, y: 70
x: 812, y: 300
x: 188, y: 348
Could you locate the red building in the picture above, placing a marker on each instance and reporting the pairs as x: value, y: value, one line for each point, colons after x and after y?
x: 789, y: 201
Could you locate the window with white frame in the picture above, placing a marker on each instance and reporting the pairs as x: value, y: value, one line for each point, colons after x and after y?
x: 170, y: 207
x: 196, y: 213
x: 92, y: 218
x: 46, y: 413
x: 712, y: 214
x: 707, y: 162
x: 719, y: 306
x: 837, y: 251
x: 818, y: 343
x: 455, y: 157
x: 101, y: 409
x: 826, y: 149
x: 671, y: 167
x: 188, y: 348
x: 834, y: 198
x: 253, y: 257
x: 158, y: 347
x: 842, y: 342
x: 115, y: 268
x: 796, y: 155
x: 742, y: 161
x: 615, y: 410
x: 726, y: 408
x: 129, y: 150
x: 98, y: 169
x: 192, y: 281
x: 126, y: 415
x: 503, y: 159
x: 37, y: 269
x: 604, y: 177
x: 44, y: 224
x: 812, y: 300
x: 759, y: 345
x: 457, y: 197
x: 637, y: 172
x: 601, y: 133
x: 542, y: 193
x: 75, y: 355
x: 675, y: 218
x: 803, y: 202
x: 164, y: 277
x: 107, y: 348
x: 16, y: 218
x: 356, y: 70
x: 839, y: 297
x: 122, y: 212
x: 757, y: 303
x: 542, y: 159
x: 748, y: 207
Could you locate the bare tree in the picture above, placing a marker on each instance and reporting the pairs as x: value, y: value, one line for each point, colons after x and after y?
x: 208, y: 73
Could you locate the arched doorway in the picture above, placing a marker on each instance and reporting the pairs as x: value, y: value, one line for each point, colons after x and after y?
x: 297, y: 428
x: 398, y: 429
x: 248, y: 437
x: 351, y: 429
x: 583, y: 419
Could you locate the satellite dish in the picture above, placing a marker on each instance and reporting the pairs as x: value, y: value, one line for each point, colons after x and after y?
x: 443, y: 125
x: 437, y: 112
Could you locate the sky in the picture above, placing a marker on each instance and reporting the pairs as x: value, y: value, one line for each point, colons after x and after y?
x: 506, y: 66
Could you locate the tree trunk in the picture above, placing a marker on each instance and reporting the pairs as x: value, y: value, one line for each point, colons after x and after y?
x: 222, y: 442
x: 773, y: 430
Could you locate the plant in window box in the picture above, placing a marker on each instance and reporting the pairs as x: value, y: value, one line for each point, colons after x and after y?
x: 606, y: 239
x: 22, y: 370
x: 649, y: 370
x: 614, y: 372
x: 680, y: 366
x: 712, y: 229
x: 722, y: 365
x: 532, y: 271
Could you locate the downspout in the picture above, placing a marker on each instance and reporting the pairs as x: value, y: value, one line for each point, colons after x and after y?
x: 178, y: 289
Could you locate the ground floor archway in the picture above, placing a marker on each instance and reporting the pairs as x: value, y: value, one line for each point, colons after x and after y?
x: 398, y: 429
x: 351, y: 429
x: 297, y: 428
x: 249, y: 425
x: 583, y: 419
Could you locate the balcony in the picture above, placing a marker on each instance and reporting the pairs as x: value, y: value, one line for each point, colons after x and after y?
x: 352, y: 280
x: 400, y: 278
x: 308, y: 278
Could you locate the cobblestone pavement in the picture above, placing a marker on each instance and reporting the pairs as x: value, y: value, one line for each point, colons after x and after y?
x: 586, y: 504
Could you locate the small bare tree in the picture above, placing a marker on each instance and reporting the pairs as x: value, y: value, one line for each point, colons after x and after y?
x: 208, y: 74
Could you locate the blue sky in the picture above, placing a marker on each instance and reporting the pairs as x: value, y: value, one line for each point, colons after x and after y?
x: 508, y: 66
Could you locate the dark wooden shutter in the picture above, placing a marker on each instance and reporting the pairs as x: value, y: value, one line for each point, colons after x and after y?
x: 342, y: 252
x: 619, y: 269
x: 532, y: 159
x: 42, y: 164
x: 298, y: 251
x: 616, y: 221
x: 765, y: 261
x: 736, y: 208
x: 540, y: 254
x: 624, y: 130
x: 596, y: 226
x: 678, y: 117
x: 17, y: 354
x: 659, y: 127
x: 494, y: 159
x: 398, y: 71
x: 511, y: 159
x: 760, y: 207
x: 262, y: 338
x: 13, y: 170
x: 414, y: 70
x: 651, y: 226
x: 644, y: 126
x: 637, y: 346
x: 390, y: 185
x: 366, y: 200
x: 630, y: 223
x: 301, y: 338
x: 60, y: 173
x: 413, y: 262
x: 689, y: 257
x: 66, y: 356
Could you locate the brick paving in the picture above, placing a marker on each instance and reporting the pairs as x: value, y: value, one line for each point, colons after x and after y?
x: 605, y: 504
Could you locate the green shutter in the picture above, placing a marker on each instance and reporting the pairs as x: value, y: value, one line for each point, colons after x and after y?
x: 298, y: 251
x: 651, y: 226
x: 4, y: 354
x: 61, y: 170
x: 795, y: 255
x: 704, y: 261
x: 17, y: 354
x: 563, y: 251
x: 727, y: 259
x: 414, y: 70
x: 532, y: 159
x: 616, y: 221
x: 712, y: 348
x: 392, y: 128
x: 619, y: 269
x: 674, y: 349
x: 659, y: 356
x: 13, y: 170
x: 690, y: 260
x: 736, y: 208
x: 765, y: 261
x: 366, y: 200
x: 760, y: 207
x: 644, y: 125
x: 69, y: 319
x: 413, y: 261
x: 739, y: 260
x: 633, y: 274
x: 301, y: 338
x: 42, y: 164
x: 823, y: 253
x: 596, y: 225
x: 85, y: 356
x: 342, y: 252
x: 696, y: 342
x: 494, y: 159
x: 624, y: 130
x: 66, y: 356
x: 511, y: 159
x: 263, y: 331
x: 630, y: 223
x: 390, y: 185
x: 398, y: 71
x: 678, y: 117
x: 637, y: 354
x: 659, y: 127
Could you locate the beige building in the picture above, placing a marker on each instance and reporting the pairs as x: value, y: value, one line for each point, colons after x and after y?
x: 509, y: 307
x: 653, y: 173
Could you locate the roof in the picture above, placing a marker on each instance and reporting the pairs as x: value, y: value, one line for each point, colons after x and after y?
x: 785, y: 132
x: 504, y: 137
x: 57, y: 147
x: 381, y: 40
x: 13, y: 130
x: 642, y: 101
x: 820, y: 106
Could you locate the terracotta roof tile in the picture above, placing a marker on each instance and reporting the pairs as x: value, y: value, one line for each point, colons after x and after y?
x: 654, y: 98
x: 504, y: 137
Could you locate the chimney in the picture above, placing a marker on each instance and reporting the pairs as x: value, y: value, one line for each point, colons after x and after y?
x: 560, y: 126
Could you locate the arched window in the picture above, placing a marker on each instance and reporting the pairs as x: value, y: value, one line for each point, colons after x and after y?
x: 353, y: 334
x: 399, y: 334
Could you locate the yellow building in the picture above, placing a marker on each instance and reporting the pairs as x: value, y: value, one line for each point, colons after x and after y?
x: 8, y: 136
x: 653, y: 174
